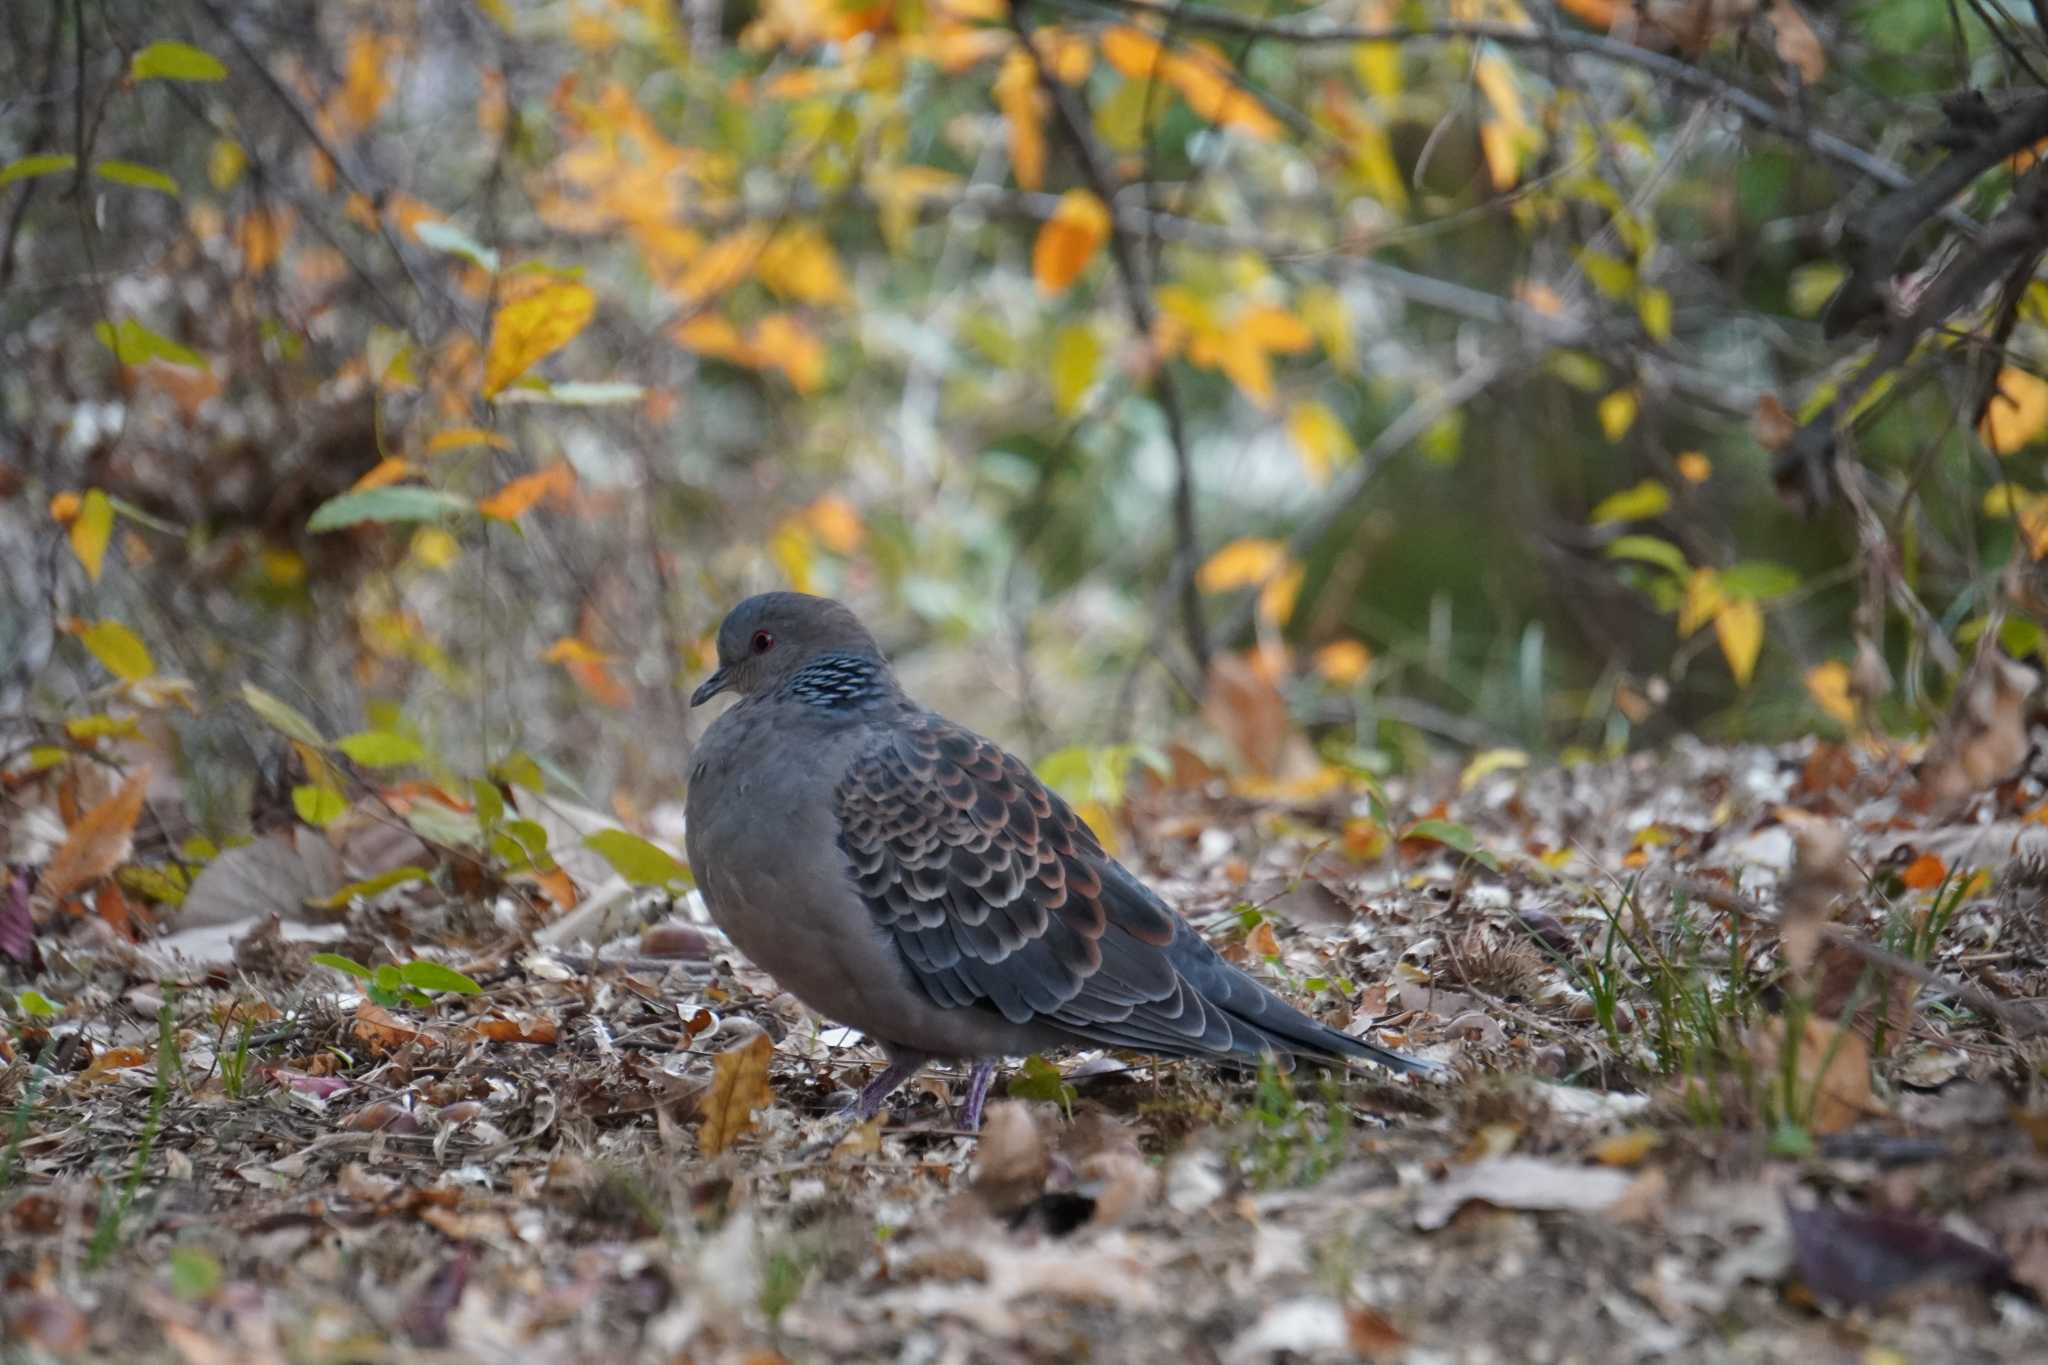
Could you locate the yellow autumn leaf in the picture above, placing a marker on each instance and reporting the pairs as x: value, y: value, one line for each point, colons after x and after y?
x: 837, y: 524
x: 800, y: 264
x: 2017, y: 414
x: 1694, y: 467
x: 1703, y: 600
x: 119, y: 649
x: 434, y: 548
x: 780, y: 342
x: 91, y: 528
x: 530, y: 329
x: 1076, y: 355
x: 1487, y: 762
x: 1276, y: 599
x: 1739, y: 626
x: 1133, y: 53
x: 1617, y: 413
x: 1343, y: 663
x: 1068, y: 241
x: 385, y: 472
x: 1321, y: 439
x: 1208, y: 82
x: 261, y: 236
x: 739, y: 1086
x: 570, y: 650
x: 1023, y: 105
x: 1828, y: 684
x: 461, y: 438
x: 1275, y: 329
x: 367, y: 81
x: 1242, y: 563
x: 516, y: 497
x: 792, y: 547
x: 721, y: 265
x: 1647, y: 499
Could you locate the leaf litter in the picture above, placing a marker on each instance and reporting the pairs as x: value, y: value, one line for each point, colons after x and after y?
x: 634, y: 1146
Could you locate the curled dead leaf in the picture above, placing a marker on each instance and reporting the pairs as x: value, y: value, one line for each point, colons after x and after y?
x: 100, y: 841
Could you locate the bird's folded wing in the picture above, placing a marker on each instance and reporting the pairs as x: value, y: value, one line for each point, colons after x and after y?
x: 999, y: 895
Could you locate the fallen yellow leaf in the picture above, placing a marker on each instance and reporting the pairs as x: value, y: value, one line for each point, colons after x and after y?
x: 739, y: 1086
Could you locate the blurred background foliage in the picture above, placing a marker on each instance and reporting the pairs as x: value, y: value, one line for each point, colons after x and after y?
x: 1385, y: 376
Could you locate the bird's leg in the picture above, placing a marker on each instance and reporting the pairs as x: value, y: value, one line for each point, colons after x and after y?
x: 881, y: 1087
x: 978, y: 1082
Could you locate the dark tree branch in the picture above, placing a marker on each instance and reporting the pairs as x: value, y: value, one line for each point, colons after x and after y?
x: 1074, y: 127
x: 2012, y: 240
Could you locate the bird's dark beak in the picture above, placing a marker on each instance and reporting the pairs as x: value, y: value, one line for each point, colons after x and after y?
x: 713, y: 685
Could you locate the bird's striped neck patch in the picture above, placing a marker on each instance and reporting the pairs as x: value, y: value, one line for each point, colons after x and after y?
x: 838, y: 680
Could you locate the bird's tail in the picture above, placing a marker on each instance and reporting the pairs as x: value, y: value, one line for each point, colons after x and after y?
x: 1346, y: 1045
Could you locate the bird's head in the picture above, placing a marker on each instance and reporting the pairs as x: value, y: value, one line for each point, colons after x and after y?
x: 768, y: 637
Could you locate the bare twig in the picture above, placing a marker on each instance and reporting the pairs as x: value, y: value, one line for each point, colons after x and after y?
x: 1075, y: 128
x: 1735, y: 903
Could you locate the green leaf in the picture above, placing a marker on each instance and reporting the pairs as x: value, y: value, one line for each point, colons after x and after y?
x: 119, y: 649
x: 281, y: 716
x: 135, y: 174
x: 371, y: 886
x: 1076, y: 355
x: 520, y: 770
x: 397, y: 503
x: 169, y: 61
x: 318, y: 806
x: 29, y: 167
x: 381, y: 748
x: 1650, y: 550
x: 35, y: 1005
x: 432, y: 976
x: 1452, y: 836
x: 490, y: 804
x: 1040, y: 1080
x: 386, y: 984
x: 167, y: 883
x: 1758, y: 580
x: 195, y: 1274
x: 133, y: 344
x: 633, y: 858
x: 1647, y: 499
x: 340, y: 964
x: 453, y: 240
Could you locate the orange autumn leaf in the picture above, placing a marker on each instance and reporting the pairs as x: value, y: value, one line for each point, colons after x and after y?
x: 526, y: 331
x: 385, y: 471
x: 516, y: 497
x: 1023, y: 105
x: 1924, y: 873
x: 1068, y: 241
x: 261, y: 235
x: 594, y: 676
x: 100, y: 841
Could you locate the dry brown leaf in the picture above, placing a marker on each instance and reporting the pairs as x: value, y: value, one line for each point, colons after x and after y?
x: 1245, y: 705
x: 1798, y: 46
x: 739, y: 1086
x: 1011, y: 1162
x: 1833, y: 1076
x: 385, y: 1031
x: 100, y: 841
x: 1985, y: 738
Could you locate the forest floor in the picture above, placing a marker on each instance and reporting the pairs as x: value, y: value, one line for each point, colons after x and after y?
x: 585, y: 1161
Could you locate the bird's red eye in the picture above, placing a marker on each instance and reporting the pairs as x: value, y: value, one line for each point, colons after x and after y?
x: 763, y: 642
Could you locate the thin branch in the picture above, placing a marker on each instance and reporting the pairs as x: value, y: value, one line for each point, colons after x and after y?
x: 1074, y: 126
x: 1735, y: 903
x: 1669, y: 71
